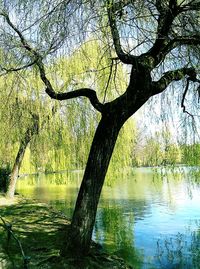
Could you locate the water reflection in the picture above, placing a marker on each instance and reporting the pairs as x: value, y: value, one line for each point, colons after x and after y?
x: 151, y: 218
x: 114, y: 229
x: 179, y: 251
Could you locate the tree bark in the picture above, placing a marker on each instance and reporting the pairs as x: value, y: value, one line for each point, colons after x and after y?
x: 80, y: 234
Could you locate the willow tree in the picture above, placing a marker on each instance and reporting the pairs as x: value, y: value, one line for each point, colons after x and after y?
x: 18, y: 123
x: 22, y: 115
x: 156, y: 40
x: 24, y: 141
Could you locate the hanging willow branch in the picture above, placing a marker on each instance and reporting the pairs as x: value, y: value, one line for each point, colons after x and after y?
x: 37, y: 58
x: 183, y: 98
x: 185, y: 93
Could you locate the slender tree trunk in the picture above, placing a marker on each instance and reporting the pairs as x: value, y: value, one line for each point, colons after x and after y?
x: 30, y: 132
x: 79, y: 237
x: 17, y: 164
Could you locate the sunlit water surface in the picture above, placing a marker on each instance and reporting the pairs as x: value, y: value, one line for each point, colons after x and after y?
x: 152, y: 220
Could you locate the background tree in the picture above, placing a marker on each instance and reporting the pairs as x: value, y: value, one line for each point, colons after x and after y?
x: 22, y: 115
x: 151, y: 38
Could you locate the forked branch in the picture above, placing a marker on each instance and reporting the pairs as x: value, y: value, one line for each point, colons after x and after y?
x: 170, y: 76
x: 163, y: 43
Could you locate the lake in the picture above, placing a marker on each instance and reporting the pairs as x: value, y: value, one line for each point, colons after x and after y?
x: 150, y: 217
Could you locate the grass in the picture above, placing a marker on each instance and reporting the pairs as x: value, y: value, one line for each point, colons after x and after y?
x: 42, y: 230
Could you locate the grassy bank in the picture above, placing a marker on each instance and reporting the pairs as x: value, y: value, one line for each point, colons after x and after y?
x: 41, y: 231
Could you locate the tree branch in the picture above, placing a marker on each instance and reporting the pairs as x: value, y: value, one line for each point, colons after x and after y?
x: 163, y: 45
x: 22, y: 39
x: 170, y: 76
x: 89, y: 93
x: 124, y: 57
x: 177, y: 42
x: 183, y: 99
x: 192, y: 5
x: 108, y: 82
x: 183, y: 40
x: 15, y: 69
x: 86, y: 92
x: 165, y: 20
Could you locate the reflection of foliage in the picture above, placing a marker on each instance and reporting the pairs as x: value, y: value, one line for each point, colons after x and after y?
x: 195, y: 248
x: 121, y: 172
x: 194, y: 175
x: 179, y: 252
x: 117, y: 235
x: 168, y: 173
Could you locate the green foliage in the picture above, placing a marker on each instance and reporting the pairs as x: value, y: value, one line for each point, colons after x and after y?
x: 66, y: 132
x: 123, y: 152
x: 64, y: 138
x: 157, y: 150
x: 173, y: 155
x: 191, y: 154
x: 154, y: 154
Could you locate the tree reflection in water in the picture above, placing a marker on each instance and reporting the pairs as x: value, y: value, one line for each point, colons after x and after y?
x: 114, y: 229
x: 180, y: 251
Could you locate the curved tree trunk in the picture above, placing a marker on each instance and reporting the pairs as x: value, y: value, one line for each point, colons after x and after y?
x: 80, y: 233
x: 17, y: 164
x: 113, y: 117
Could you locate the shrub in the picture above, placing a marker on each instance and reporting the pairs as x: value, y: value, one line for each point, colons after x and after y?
x: 4, y: 177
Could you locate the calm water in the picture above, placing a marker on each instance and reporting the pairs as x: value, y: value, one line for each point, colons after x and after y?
x: 152, y: 220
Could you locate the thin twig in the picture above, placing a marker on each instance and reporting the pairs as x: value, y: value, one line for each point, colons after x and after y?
x: 15, y: 69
